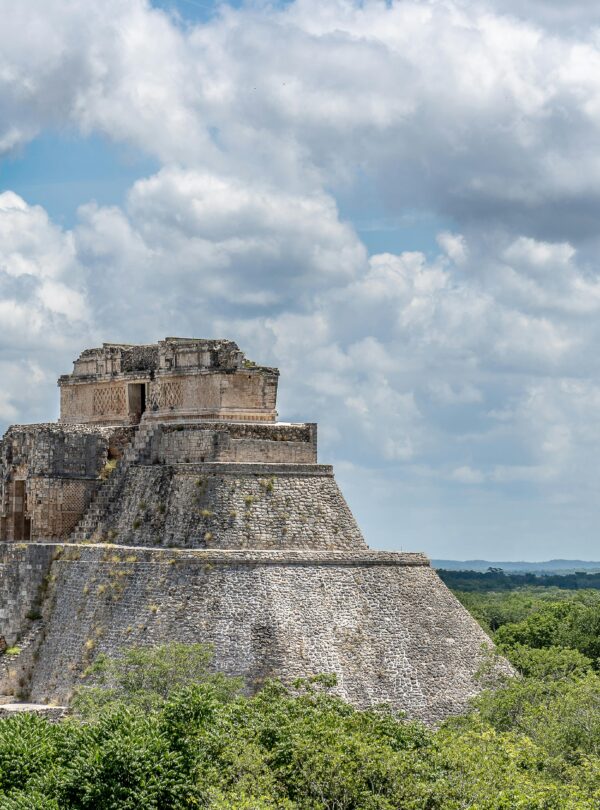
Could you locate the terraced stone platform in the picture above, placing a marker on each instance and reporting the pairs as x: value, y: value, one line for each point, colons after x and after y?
x: 193, y: 516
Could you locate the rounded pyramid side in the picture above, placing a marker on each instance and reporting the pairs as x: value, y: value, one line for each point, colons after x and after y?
x: 383, y: 623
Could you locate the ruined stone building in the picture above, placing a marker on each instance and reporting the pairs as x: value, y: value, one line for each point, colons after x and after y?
x: 169, y: 504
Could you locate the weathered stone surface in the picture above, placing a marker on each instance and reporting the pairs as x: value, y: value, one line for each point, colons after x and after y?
x: 24, y: 568
x: 49, y: 474
x: 383, y: 622
x: 241, y: 443
x: 178, y: 378
x: 208, y: 522
x: 51, y: 713
x: 229, y: 506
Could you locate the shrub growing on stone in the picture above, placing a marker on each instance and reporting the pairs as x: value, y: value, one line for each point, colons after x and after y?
x: 108, y: 469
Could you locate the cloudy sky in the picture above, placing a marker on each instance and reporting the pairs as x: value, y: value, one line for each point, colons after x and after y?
x: 397, y: 203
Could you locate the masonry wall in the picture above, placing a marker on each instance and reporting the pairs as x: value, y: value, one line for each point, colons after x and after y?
x: 24, y: 582
x: 49, y: 475
x: 57, y: 450
x: 229, y: 506
x: 94, y: 402
x: 248, y: 394
x: 384, y: 623
x: 23, y: 570
x: 200, y: 442
x: 56, y: 505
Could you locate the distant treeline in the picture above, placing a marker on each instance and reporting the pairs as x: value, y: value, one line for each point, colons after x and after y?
x: 495, y: 579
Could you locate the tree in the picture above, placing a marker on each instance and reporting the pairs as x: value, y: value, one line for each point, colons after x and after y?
x: 146, y: 676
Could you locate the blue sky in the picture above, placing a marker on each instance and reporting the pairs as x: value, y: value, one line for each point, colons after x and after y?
x: 61, y: 169
x: 191, y: 11
x: 396, y: 203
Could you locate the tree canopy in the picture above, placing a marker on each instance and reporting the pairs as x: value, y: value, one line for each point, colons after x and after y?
x: 158, y: 728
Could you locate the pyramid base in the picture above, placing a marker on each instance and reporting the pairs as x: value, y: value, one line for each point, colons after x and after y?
x: 384, y: 623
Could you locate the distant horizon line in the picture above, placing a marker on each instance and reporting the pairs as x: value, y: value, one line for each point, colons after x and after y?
x: 515, y: 562
x: 553, y: 566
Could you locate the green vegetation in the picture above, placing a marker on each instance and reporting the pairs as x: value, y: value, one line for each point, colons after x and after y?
x: 494, y: 610
x: 108, y: 469
x: 145, y: 678
x: 268, y: 484
x: 495, y: 579
x: 158, y: 728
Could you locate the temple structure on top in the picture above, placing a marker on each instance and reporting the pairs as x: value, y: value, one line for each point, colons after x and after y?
x: 177, y: 378
x: 180, y: 401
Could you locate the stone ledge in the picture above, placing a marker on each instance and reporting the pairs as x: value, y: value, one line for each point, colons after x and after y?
x: 64, y: 477
x: 104, y: 428
x: 255, y: 468
x: 304, y: 557
x: 51, y: 713
x: 196, y: 423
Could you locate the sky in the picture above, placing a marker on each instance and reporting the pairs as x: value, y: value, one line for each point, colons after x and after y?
x: 396, y: 203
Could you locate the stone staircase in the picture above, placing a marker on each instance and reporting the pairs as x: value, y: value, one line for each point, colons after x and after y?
x: 139, y: 451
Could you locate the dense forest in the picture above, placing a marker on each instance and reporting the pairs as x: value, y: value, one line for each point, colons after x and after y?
x: 495, y: 579
x: 158, y: 729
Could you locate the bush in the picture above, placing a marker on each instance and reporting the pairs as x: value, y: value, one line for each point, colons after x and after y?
x: 207, y: 745
x: 540, y: 629
x: 556, y: 663
x: 146, y: 676
x: 561, y: 717
x: 158, y: 728
x: 108, y: 469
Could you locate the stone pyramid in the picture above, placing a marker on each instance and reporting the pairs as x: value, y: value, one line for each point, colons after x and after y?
x: 169, y: 504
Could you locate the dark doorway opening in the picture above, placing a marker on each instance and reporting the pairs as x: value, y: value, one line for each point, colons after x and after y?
x: 137, y: 401
x: 21, y: 523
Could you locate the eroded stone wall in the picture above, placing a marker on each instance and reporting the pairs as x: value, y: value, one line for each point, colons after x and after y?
x: 177, y: 378
x: 57, y: 504
x: 103, y: 402
x: 58, y: 450
x: 244, y: 395
x: 229, y: 506
x: 383, y: 623
x: 203, y: 442
x: 49, y: 474
x: 23, y: 571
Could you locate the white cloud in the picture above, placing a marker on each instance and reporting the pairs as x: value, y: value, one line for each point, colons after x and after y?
x: 454, y: 245
x: 38, y: 264
x: 453, y: 105
x: 208, y: 247
x: 477, y: 365
x: 467, y: 475
x: 44, y: 313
